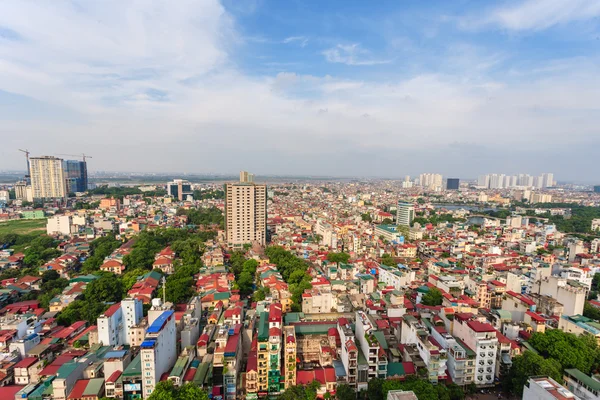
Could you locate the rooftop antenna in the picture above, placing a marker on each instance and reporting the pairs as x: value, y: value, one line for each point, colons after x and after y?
x: 164, y: 282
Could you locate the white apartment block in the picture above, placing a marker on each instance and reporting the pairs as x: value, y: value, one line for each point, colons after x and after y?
x: 481, y: 338
x: 571, y: 294
x: 431, y: 181
x: 110, y: 326
x: 132, y: 315
x: 158, y: 351
x: 47, y: 178
x: 59, y: 225
x: 392, y: 276
x: 405, y: 214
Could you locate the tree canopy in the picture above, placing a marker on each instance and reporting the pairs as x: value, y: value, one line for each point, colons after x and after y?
x: 166, y: 390
x: 432, y: 298
x: 581, y: 352
x: 338, y: 257
x: 289, y: 264
x: 530, y: 364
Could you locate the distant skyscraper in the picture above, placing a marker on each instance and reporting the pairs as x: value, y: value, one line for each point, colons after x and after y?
x: 75, y: 175
x: 180, y: 189
x: 483, y: 181
x: 405, y: 214
x: 452, y: 184
x: 246, y: 177
x: 245, y: 212
x: 547, y: 180
x: 431, y: 181
x: 597, y: 189
x: 47, y: 177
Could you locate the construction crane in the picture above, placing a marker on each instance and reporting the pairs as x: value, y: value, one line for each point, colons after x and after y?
x: 82, y: 155
x: 27, y: 157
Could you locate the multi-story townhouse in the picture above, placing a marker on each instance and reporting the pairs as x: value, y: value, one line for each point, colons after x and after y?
x: 430, y: 350
x: 349, y: 351
x: 158, y: 350
x: 375, y: 356
x: 289, y: 335
x: 481, y: 338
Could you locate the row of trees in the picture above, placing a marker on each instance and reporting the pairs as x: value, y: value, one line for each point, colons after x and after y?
x: 186, y: 243
x: 209, y: 194
x: 165, y: 390
x: 120, y: 192
x: 105, y: 290
x: 203, y: 216
x: 293, y: 271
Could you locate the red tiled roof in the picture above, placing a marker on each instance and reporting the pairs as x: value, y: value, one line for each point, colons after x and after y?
x: 480, y: 326
x: 114, y: 376
x: 112, y: 309
x: 26, y: 362
x: 78, y: 389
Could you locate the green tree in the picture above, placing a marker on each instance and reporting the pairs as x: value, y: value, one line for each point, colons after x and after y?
x: 107, y: 289
x: 366, y: 217
x: 296, y: 392
x: 388, y: 260
x: 345, y: 392
x: 590, y: 311
x: 375, y: 389
x: 569, y: 350
x: 387, y: 221
x: 530, y: 364
x: 432, y: 298
x: 165, y: 390
x: 338, y: 257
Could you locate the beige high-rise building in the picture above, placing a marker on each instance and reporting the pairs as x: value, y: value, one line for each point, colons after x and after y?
x: 245, y: 211
x: 47, y: 177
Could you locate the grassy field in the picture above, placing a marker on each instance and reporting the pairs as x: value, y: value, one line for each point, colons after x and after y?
x: 23, y: 226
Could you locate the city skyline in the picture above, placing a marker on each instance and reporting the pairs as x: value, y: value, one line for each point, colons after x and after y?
x: 345, y: 89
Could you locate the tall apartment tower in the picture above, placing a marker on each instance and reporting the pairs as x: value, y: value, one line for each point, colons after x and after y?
x: 245, y: 212
x: 75, y: 175
x: 405, y: 214
x: 47, y: 178
x: 158, y: 351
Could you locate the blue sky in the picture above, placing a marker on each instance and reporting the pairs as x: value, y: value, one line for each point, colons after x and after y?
x: 350, y: 88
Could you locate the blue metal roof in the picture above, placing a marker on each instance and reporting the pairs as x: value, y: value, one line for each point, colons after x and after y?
x: 148, y: 343
x: 115, y: 354
x: 159, y: 322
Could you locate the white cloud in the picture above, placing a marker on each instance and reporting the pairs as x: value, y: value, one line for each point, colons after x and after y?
x: 155, y: 88
x: 302, y: 40
x: 352, y: 54
x: 537, y: 15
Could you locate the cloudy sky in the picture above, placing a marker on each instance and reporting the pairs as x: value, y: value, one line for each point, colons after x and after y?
x: 339, y: 87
